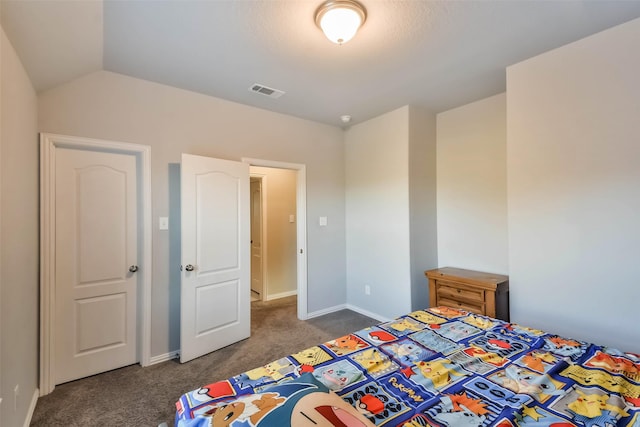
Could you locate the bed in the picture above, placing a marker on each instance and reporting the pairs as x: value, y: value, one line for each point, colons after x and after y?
x: 433, y: 367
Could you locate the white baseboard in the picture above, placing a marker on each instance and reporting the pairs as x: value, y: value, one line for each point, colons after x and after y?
x: 164, y: 357
x: 281, y: 295
x: 32, y: 407
x: 367, y: 313
x: 326, y: 311
x: 357, y: 309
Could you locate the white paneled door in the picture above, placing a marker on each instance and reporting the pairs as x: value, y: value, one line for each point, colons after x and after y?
x: 95, y: 263
x: 215, y: 288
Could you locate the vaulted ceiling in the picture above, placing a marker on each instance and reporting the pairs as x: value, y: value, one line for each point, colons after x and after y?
x: 437, y: 54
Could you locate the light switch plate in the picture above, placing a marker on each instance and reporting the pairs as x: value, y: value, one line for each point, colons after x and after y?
x: 163, y: 223
x: 322, y: 221
x: 292, y: 218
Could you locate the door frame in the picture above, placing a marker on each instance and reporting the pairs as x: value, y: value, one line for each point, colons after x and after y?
x: 263, y: 230
x: 48, y: 145
x: 301, y: 228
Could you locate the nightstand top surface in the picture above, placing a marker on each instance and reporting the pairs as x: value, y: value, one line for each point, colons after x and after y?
x: 471, y: 275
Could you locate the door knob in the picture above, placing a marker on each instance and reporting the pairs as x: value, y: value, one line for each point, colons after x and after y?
x: 133, y: 268
x: 189, y: 267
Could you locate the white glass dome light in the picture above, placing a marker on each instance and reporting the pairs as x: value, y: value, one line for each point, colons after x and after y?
x: 340, y: 19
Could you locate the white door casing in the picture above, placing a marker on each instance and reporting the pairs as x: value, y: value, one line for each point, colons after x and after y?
x: 84, y: 269
x: 215, y: 288
x: 96, y: 245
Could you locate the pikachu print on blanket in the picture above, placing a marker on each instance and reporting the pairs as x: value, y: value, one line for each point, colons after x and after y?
x: 268, y: 373
x: 435, y: 374
x: 375, y: 362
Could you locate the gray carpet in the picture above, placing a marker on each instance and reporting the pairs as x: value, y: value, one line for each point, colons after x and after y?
x: 135, y: 396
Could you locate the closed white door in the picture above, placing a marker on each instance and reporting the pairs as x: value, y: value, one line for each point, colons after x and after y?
x: 95, y: 246
x: 256, y: 237
x: 215, y: 288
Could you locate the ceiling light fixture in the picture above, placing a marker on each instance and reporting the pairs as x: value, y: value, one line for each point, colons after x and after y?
x: 340, y: 19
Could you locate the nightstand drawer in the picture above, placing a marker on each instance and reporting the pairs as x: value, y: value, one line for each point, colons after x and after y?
x: 473, y: 308
x: 456, y: 292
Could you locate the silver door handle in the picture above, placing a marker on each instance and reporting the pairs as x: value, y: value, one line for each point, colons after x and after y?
x: 133, y: 268
x: 189, y: 267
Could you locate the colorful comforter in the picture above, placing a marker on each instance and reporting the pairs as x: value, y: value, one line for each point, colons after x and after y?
x: 437, y: 367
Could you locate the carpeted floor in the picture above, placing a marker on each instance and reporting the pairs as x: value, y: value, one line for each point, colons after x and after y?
x: 135, y: 396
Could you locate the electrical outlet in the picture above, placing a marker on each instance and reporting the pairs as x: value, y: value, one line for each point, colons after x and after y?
x: 16, y: 393
x: 367, y: 290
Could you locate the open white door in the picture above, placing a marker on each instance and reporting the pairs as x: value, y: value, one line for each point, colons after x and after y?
x: 216, y: 266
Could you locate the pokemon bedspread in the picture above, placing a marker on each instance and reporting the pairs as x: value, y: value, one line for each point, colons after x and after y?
x: 437, y: 367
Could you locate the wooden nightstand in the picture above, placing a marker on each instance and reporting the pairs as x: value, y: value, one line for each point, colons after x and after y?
x: 474, y: 291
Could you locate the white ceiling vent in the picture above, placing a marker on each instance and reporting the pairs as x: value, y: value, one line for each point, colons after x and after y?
x: 266, y: 91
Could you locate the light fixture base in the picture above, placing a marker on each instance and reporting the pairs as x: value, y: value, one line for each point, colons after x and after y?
x: 340, y: 19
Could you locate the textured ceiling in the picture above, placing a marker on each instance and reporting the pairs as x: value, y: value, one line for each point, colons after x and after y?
x: 434, y: 54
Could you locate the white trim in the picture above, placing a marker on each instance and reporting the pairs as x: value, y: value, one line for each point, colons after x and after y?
x: 263, y: 230
x: 32, y: 407
x: 164, y: 357
x: 281, y: 295
x: 301, y: 231
x: 324, y: 311
x: 47, y: 239
x: 367, y: 313
x: 339, y: 307
x: 48, y: 145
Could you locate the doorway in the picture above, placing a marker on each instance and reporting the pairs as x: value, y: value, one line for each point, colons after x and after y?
x: 204, y: 182
x: 273, y: 233
x: 257, y: 236
x: 95, y: 258
x: 292, y: 221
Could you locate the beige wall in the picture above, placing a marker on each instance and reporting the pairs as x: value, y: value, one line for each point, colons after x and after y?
x: 172, y: 121
x: 574, y: 188
x: 422, y: 202
x: 380, y: 228
x: 19, y: 219
x: 377, y: 195
x: 279, y: 192
x: 472, y: 186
